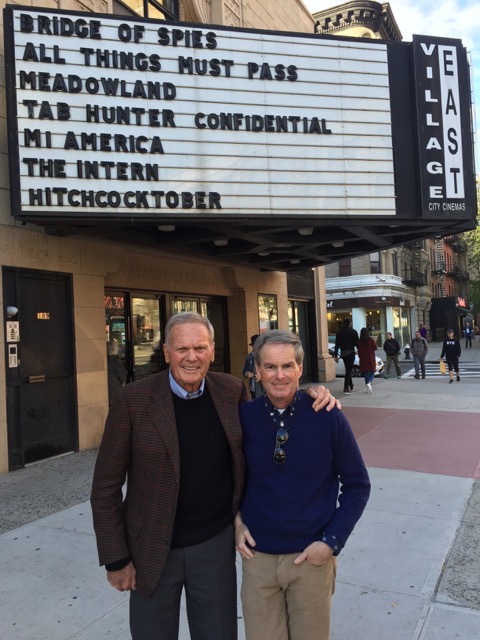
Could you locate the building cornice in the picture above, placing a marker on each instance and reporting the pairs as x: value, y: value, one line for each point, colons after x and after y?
x: 375, y: 16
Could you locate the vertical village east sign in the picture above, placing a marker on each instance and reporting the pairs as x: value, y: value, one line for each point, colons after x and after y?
x: 110, y: 119
x: 438, y: 77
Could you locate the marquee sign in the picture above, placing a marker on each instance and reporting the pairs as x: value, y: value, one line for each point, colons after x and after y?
x: 116, y: 119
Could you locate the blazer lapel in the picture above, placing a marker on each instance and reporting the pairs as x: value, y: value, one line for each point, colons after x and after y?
x: 162, y: 414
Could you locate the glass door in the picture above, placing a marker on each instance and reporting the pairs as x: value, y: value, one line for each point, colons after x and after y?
x: 134, y: 332
x: 116, y: 325
x: 147, y: 338
x: 298, y: 324
x: 116, y: 329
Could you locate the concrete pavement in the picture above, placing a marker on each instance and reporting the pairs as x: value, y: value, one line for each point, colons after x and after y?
x: 410, y: 571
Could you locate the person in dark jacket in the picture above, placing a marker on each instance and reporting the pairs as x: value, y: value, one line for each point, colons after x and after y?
x: 419, y: 349
x: 468, y: 331
x: 346, y: 342
x: 392, y: 350
x: 249, y: 372
x: 452, y: 350
x: 366, y: 354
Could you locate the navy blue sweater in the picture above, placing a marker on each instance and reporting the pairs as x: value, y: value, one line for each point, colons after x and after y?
x: 286, y: 507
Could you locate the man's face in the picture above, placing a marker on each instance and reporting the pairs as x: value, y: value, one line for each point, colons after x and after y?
x: 450, y: 335
x: 279, y: 373
x: 388, y: 336
x: 189, y: 353
x: 417, y: 335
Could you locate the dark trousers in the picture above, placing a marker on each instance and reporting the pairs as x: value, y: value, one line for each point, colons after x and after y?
x: 208, y: 574
x: 419, y: 363
x: 394, y: 359
x: 453, y: 364
x: 468, y: 341
x: 348, y: 362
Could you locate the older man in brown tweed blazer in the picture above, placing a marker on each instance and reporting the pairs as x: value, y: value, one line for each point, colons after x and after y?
x: 176, y: 438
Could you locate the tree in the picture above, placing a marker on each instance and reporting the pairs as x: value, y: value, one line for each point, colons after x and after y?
x: 472, y: 238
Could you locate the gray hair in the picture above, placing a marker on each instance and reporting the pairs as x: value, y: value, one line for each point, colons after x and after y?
x: 278, y: 336
x: 188, y: 317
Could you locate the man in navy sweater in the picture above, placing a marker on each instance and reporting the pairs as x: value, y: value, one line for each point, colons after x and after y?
x: 306, y: 487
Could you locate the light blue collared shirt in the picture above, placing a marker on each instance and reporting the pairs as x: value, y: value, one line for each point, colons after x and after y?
x: 181, y: 392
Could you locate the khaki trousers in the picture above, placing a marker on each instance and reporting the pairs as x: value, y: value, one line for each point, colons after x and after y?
x: 283, y: 601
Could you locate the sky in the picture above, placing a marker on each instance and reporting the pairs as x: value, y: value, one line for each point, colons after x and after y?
x: 445, y: 18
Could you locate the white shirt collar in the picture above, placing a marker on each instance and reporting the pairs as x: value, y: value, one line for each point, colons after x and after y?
x: 183, y: 393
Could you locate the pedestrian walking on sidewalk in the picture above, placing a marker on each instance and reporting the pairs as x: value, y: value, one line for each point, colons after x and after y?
x: 366, y: 354
x: 291, y: 526
x: 419, y: 350
x: 392, y: 350
x: 452, y: 350
x: 468, y: 331
x: 346, y: 342
x: 249, y: 372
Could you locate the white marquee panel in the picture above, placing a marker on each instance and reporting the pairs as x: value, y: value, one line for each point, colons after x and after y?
x: 342, y: 87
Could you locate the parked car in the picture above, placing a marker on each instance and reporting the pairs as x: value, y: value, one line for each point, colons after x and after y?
x: 340, y: 368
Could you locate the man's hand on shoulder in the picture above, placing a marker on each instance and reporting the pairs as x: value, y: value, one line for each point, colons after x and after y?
x: 322, y: 398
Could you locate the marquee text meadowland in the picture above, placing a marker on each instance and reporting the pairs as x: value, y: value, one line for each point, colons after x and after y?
x: 44, y: 112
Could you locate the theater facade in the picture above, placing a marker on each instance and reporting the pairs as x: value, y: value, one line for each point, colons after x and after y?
x: 159, y: 167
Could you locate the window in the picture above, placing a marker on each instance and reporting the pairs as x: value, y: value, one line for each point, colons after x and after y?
x: 115, y: 321
x: 147, y: 350
x: 267, y: 312
x: 154, y: 9
x: 345, y: 267
x: 395, y: 263
x: 375, y: 262
x: 293, y: 316
x: 401, y: 325
x: 335, y: 321
x: 375, y: 320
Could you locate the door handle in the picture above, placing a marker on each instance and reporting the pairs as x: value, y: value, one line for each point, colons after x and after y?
x: 33, y: 379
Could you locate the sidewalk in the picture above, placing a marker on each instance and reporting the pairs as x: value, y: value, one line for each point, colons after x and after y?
x: 410, y: 571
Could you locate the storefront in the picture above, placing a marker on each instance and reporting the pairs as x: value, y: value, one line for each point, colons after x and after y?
x: 377, y: 314
x: 449, y: 313
x: 137, y: 191
x: 61, y: 324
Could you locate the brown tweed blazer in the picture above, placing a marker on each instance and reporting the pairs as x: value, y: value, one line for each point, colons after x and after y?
x: 140, y: 444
